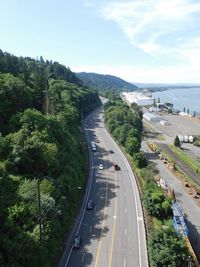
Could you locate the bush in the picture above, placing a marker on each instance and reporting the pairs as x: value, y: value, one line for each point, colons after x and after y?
x: 132, y: 146
x: 155, y: 201
x: 166, y: 248
x: 141, y: 159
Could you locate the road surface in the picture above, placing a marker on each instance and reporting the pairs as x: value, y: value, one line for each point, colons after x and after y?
x: 113, y: 234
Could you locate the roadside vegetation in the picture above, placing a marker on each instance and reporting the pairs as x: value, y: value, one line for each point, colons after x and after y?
x: 43, y: 158
x: 186, y: 159
x: 197, y: 141
x: 165, y: 246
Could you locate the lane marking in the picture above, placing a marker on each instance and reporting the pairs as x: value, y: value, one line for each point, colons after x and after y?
x: 125, y: 231
x: 103, y: 222
x: 83, y: 257
x: 125, y: 210
x: 140, y: 218
x: 124, y: 262
x: 114, y: 217
x: 131, y: 176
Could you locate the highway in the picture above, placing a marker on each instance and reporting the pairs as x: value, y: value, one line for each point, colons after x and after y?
x: 113, y: 233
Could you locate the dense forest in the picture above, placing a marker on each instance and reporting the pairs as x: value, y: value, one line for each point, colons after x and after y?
x: 43, y: 159
x: 105, y: 82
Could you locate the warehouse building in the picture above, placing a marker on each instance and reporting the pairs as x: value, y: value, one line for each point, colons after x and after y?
x: 139, y: 98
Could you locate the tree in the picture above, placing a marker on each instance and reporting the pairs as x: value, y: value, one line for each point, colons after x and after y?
x: 141, y: 159
x: 177, y: 141
x: 15, y: 96
x: 155, y: 201
x: 166, y: 248
x: 132, y: 146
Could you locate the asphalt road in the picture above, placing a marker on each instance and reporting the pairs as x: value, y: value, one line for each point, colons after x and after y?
x: 113, y: 234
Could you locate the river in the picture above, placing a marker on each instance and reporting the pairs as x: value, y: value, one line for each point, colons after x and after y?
x: 188, y: 98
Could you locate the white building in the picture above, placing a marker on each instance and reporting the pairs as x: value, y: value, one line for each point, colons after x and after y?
x: 138, y: 98
x: 152, y: 117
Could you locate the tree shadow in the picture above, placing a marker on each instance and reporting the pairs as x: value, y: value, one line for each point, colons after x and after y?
x: 194, y: 237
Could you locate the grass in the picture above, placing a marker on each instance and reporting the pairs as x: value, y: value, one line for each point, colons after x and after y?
x: 160, y: 224
x: 186, y: 159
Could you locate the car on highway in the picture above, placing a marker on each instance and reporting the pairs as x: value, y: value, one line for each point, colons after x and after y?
x: 90, y: 205
x: 116, y: 167
x: 101, y: 167
x: 77, y: 242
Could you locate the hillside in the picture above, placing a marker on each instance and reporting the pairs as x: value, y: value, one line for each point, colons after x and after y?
x: 103, y: 82
x: 42, y: 153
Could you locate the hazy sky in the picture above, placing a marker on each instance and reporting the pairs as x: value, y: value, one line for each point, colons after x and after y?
x: 137, y: 40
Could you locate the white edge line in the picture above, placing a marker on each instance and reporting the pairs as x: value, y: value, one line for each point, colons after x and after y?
x: 88, y: 192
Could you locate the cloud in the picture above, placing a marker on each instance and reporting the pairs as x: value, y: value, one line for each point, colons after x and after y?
x: 167, y: 30
x: 155, y: 26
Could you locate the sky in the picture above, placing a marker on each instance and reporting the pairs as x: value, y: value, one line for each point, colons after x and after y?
x: 147, y: 41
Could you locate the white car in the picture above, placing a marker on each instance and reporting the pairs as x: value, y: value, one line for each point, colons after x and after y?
x: 101, y: 167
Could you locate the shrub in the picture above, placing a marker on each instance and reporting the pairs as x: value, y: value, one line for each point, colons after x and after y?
x: 141, y: 159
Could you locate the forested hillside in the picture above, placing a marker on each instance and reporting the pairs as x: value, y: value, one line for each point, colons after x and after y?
x: 43, y: 158
x: 105, y: 82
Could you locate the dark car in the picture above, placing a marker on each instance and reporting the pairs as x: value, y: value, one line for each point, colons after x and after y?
x: 116, y: 167
x: 77, y: 242
x: 90, y: 205
x: 111, y: 151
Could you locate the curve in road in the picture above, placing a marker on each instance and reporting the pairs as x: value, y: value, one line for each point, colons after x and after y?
x: 113, y: 234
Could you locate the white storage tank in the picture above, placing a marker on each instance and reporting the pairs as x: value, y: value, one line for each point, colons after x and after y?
x: 191, y: 139
x: 180, y: 137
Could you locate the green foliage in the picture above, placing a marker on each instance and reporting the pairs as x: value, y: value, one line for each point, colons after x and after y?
x: 132, y: 146
x: 42, y: 105
x: 15, y: 96
x: 155, y: 201
x: 167, y: 249
x: 197, y: 142
x: 126, y: 126
x: 177, y: 142
x: 105, y: 82
x: 141, y: 159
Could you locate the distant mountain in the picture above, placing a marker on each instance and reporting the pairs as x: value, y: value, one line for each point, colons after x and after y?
x: 165, y: 85
x: 103, y: 82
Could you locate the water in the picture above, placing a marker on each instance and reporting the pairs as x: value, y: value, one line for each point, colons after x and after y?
x: 188, y: 98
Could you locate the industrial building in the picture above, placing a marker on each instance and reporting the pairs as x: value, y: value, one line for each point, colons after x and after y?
x: 139, y: 98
